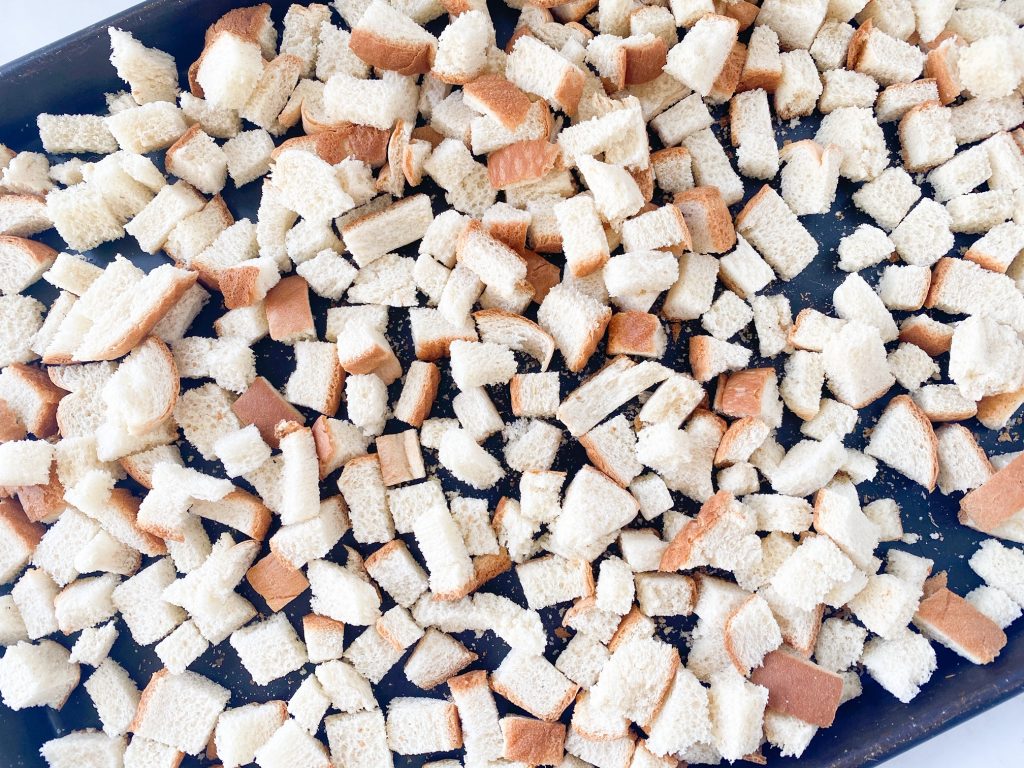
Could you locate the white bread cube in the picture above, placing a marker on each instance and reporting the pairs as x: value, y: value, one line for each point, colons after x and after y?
x: 37, y: 674
x: 243, y: 730
x: 34, y: 595
x: 889, y: 197
x: 139, y: 599
x: 358, y: 739
x: 341, y: 594
x: 151, y: 73
x: 698, y: 59
x: 147, y: 128
x: 114, y: 695
x: 94, y: 644
x: 772, y: 228
x: 901, y: 664
x: 74, y: 134
x: 419, y: 725
x: 229, y: 70
x: 534, y: 684
x: 799, y: 86
x: 180, y: 648
x: 269, y: 649
x: 1001, y: 567
x: 248, y: 156
x: 180, y: 710
x: 290, y: 745
x: 843, y: 88
x: 78, y: 747
x: 216, y: 121
x: 685, y: 118
x: 926, y: 135
x: 994, y: 603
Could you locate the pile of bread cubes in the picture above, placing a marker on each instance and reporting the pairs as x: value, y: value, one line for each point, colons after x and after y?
x: 622, y: 216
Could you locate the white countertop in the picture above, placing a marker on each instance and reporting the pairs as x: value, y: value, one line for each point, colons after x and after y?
x: 995, y: 738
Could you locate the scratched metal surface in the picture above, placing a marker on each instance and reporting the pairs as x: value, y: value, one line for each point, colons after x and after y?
x: 71, y: 76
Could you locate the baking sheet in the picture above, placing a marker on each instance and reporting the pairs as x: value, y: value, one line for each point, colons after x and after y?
x: 72, y: 75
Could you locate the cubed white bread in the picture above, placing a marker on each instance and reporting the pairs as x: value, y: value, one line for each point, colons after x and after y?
x: 772, y: 320
x: 911, y: 366
x: 341, y: 594
x: 710, y: 357
x: 961, y: 174
x: 269, y: 649
x: 147, y: 128
x: 362, y: 485
x: 85, y: 603
x: 926, y: 136
x: 241, y: 731
x: 533, y: 684
x: 150, y: 73
x: 1001, y: 567
x: 727, y: 316
x: 685, y: 118
x: 20, y: 320
x: 197, y: 159
x: 978, y: 212
x: 180, y: 648
x: 180, y: 710
x: 712, y: 168
x: 358, y: 739
x: 248, y: 155
x: 772, y: 228
x: 23, y: 262
x: 114, y: 695
x: 71, y: 273
x: 806, y: 578
x: 139, y: 599
x: 436, y: 658
x: 420, y: 725
x: 899, y: 99
x: 218, y: 122
x: 737, y: 710
x: 888, y: 198
x: 901, y: 665
x: 976, y: 340
x: 752, y: 134
x: 12, y: 628
x: 843, y: 88
x: 292, y: 745
x: 25, y: 462
x: 79, y: 747
x: 859, y: 137
x: 309, y: 704
x: 799, y: 86
x: 996, y: 604
x: 998, y: 248
x: 26, y: 173
x: 37, y: 674
x: 25, y: 215
x: 576, y: 322
x: 810, y: 176
x: 229, y: 70
x: 698, y: 59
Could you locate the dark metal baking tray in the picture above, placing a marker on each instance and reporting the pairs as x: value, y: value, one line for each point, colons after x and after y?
x: 71, y: 76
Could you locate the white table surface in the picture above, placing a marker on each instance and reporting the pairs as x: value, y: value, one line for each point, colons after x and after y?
x: 995, y: 738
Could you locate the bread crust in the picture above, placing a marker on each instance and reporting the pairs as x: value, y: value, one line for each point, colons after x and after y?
x: 728, y: 79
x: 499, y: 99
x: 425, y: 397
x: 517, y: 333
x: 261, y: 404
x: 799, y: 688
x: 741, y: 393
x: 645, y: 62
x: 941, y: 67
x: 570, y: 90
x: 952, y: 620
x: 17, y: 523
x: 994, y: 411
x: 399, y: 56
x: 905, y: 401
x: 522, y: 162
x: 681, y: 548
x: 999, y: 499
x: 704, y: 210
x: 857, y: 44
x: 334, y: 144
x: 540, y: 273
x: 929, y: 339
x: 246, y: 23
x: 634, y: 333
x: 533, y: 742
x: 276, y: 581
x: 289, y: 316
